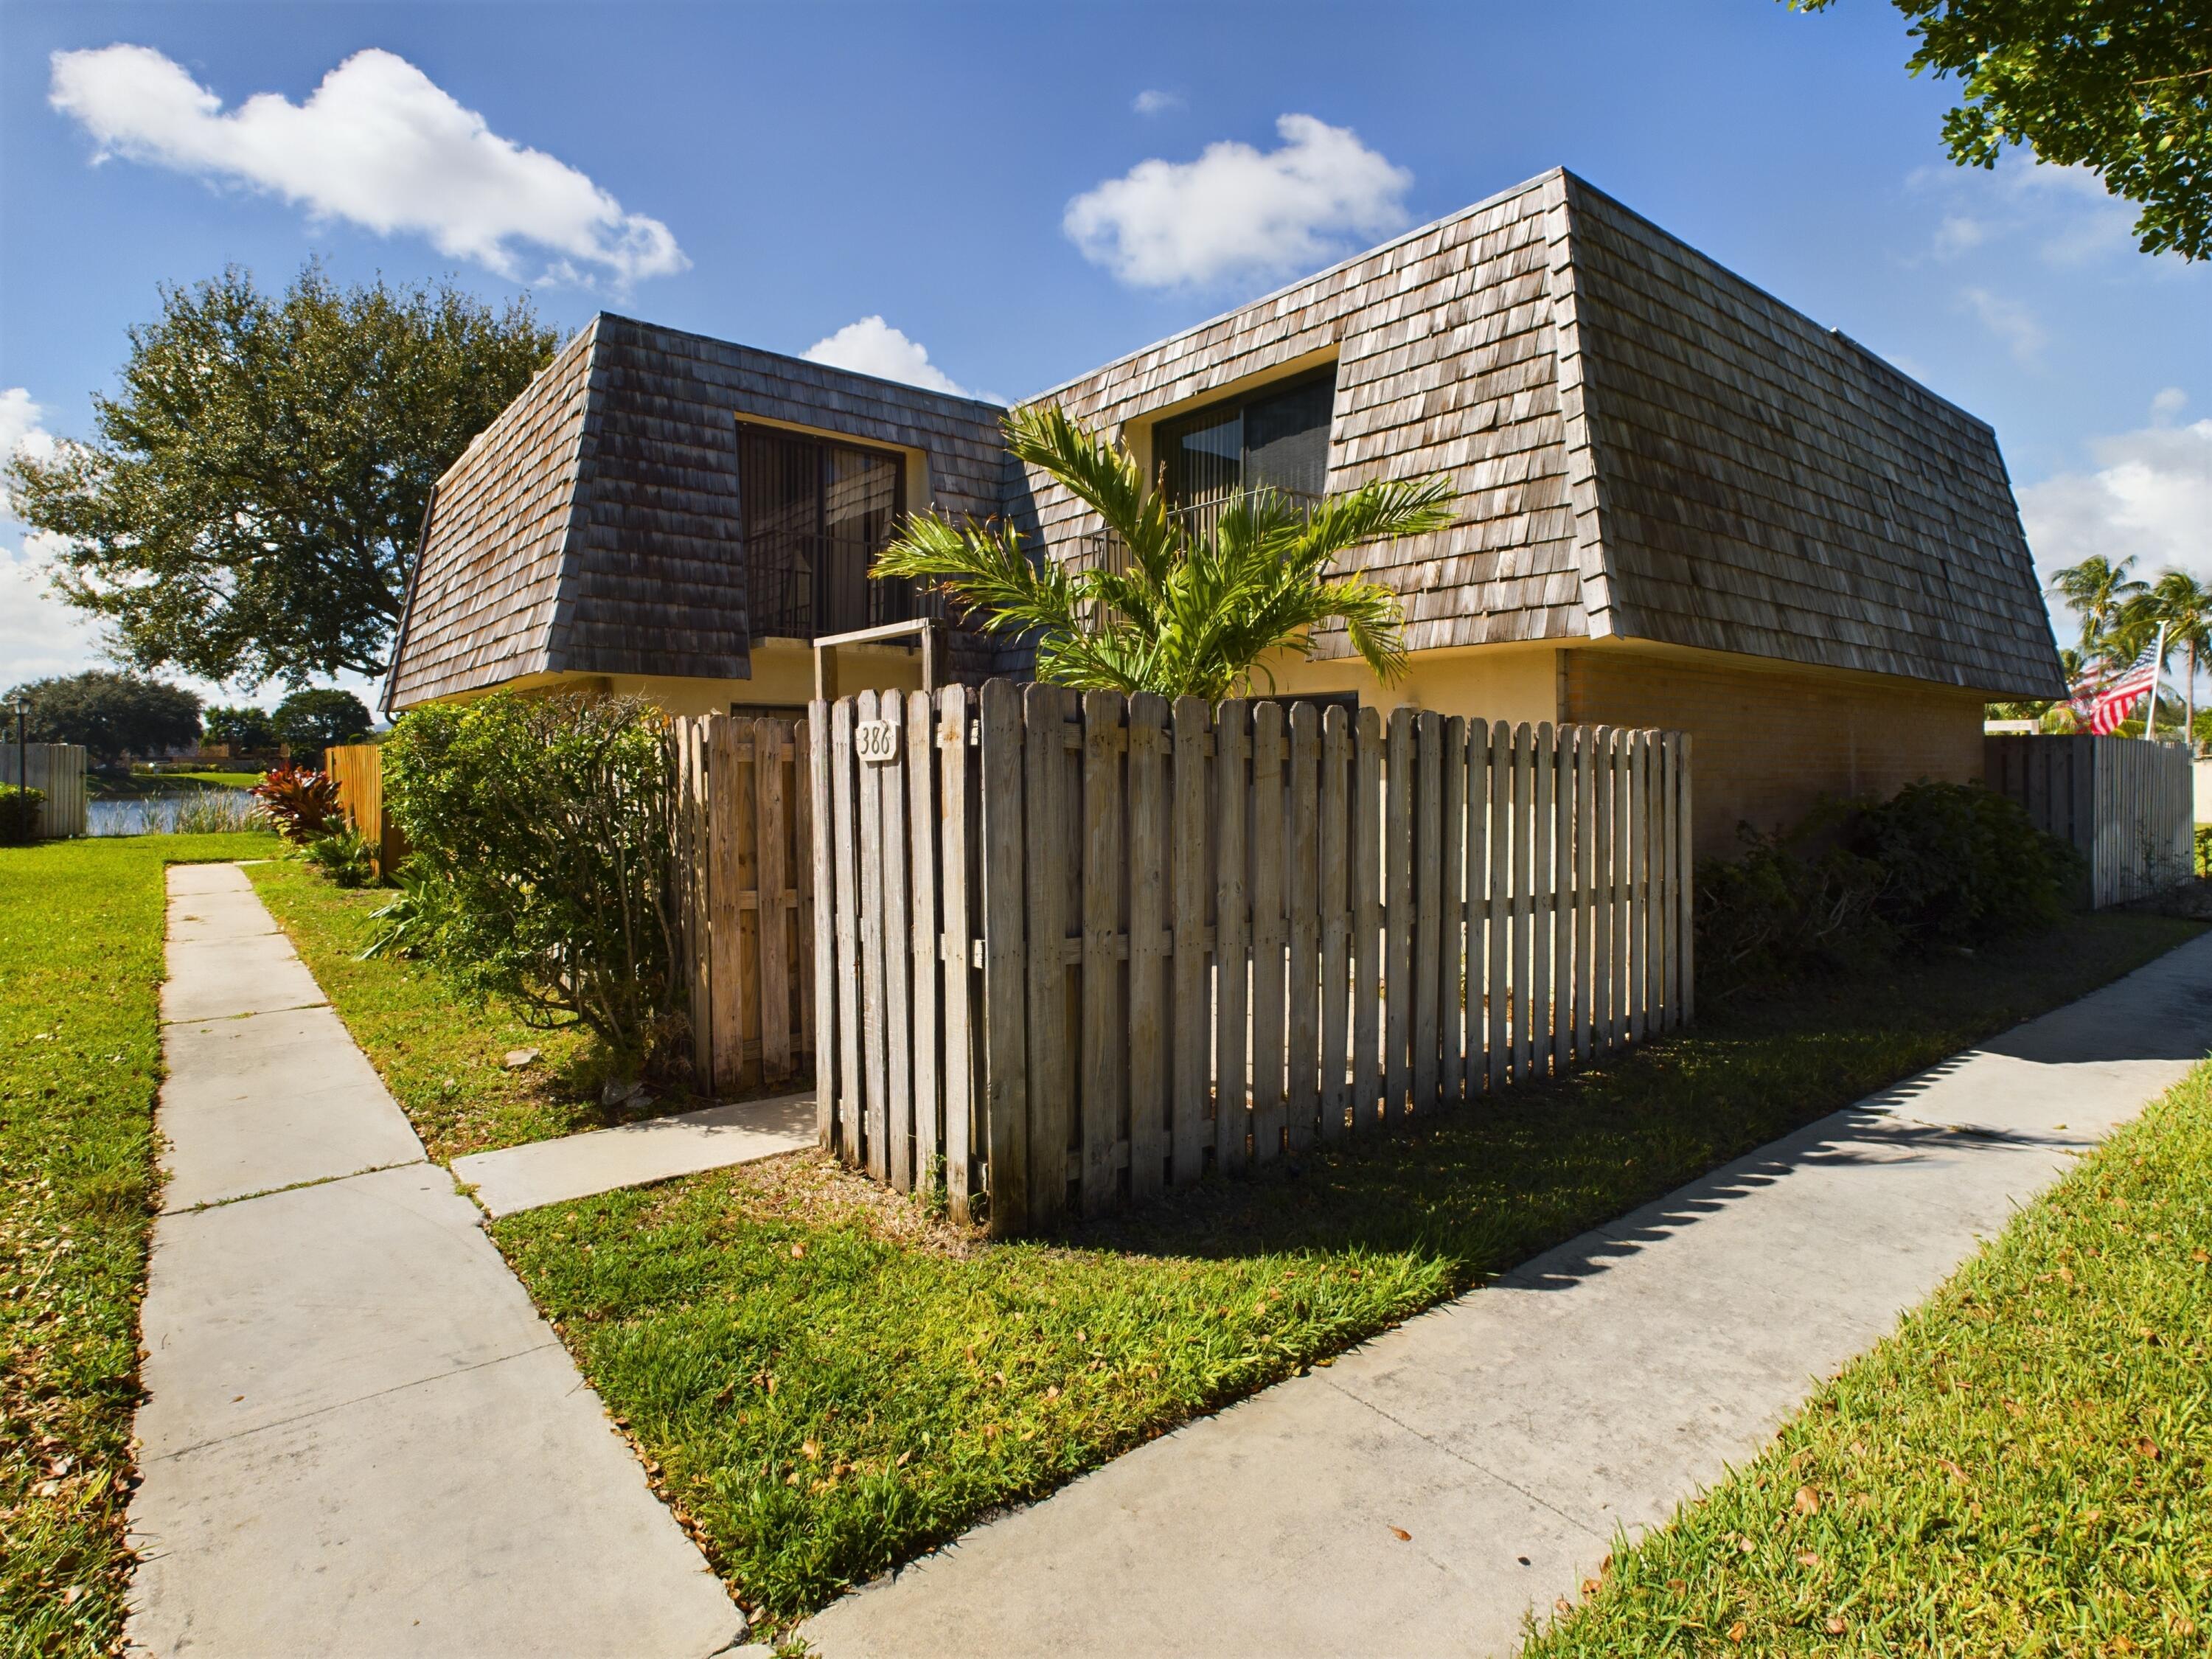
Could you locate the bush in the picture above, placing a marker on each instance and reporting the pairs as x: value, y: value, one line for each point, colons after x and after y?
x: 215, y: 813
x: 302, y: 800
x: 540, y: 872
x: 1937, y: 866
x: 345, y: 857
x: 18, y: 814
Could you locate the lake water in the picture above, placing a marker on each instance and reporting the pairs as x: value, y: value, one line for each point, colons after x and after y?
x: 157, y: 814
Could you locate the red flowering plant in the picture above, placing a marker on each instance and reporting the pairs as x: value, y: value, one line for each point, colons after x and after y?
x: 303, y: 801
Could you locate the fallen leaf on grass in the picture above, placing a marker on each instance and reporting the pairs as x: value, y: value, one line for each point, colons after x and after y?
x: 517, y: 1057
x: 1836, y: 1625
x: 1807, y: 1501
x: 1401, y: 1534
x: 2147, y: 1447
x: 1738, y: 1630
x: 1808, y: 1558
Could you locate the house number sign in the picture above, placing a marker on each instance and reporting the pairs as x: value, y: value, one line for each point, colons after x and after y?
x: 876, y: 742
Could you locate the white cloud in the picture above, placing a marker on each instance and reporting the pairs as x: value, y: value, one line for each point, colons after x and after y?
x: 1237, y: 212
x: 2009, y: 320
x: 2148, y: 496
x: 377, y: 143
x: 873, y: 346
x: 1152, y: 101
x: 21, y: 434
x: 1958, y: 233
x: 40, y: 635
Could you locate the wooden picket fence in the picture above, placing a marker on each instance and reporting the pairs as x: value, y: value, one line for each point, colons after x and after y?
x: 745, y: 883
x: 1074, y: 951
x: 2126, y: 804
x: 357, y: 769
x: 57, y: 771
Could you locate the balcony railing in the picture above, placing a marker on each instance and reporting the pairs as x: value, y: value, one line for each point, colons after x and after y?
x: 1101, y: 549
x: 804, y: 584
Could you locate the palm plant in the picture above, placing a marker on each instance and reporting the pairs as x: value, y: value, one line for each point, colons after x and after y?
x: 2184, y: 604
x: 1197, y: 609
x: 2097, y: 590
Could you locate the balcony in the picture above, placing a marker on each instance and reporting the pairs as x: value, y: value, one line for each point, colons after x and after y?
x: 805, y: 583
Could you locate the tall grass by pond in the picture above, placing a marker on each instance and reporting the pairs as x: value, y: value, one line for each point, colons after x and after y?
x: 187, y: 812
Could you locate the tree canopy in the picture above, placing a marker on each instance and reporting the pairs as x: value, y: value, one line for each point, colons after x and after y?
x: 2121, y: 86
x: 242, y: 726
x: 249, y: 508
x: 1192, y: 606
x: 112, y: 715
x: 308, y: 722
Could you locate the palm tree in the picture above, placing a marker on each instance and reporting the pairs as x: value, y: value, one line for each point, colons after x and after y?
x: 1197, y: 607
x: 2096, y: 590
x: 2185, y: 605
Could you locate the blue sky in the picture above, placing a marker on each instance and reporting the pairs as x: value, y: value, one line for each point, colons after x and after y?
x: 1025, y: 191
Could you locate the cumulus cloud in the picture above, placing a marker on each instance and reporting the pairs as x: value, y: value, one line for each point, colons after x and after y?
x: 1152, y: 101
x: 2063, y: 214
x: 1237, y: 212
x: 2148, y: 495
x: 2009, y: 320
x: 379, y: 145
x: 40, y: 635
x: 873, y: 346
x: 1958, y: 233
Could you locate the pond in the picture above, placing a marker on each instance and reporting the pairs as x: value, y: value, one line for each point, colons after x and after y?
x: 186, y: 812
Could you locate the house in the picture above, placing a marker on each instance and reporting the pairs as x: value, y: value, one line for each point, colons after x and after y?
x: 1681, y: 503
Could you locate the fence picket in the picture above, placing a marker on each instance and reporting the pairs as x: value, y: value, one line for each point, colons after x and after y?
x: 1051, y: 1077
x: 1686, y: 897
x: 1397, y: 915
x: 1639, y: 912
x: 1562, y: 1026
x: 1367, y: 967
x: 956, y: 928
x: 1190, y: 1131
x: 1000, y: 864
x: 1544, y: 762
x: 1428, y: 905
x: 1105, y: 880
x: 1269, y: 935
x: 1148, y: 1051
x: 1335, y: 873
x: 925, y: 935
x: 1522, y: 969
x: 845, y: 895
x: 1473, y: 1071
x: 1498, y: 997
x: 1451, y: 944
x: 875, y: 1057
x: 1301, y: 902
x: 771, y: 744
x: 805, y: 866
x: 1232, y: 741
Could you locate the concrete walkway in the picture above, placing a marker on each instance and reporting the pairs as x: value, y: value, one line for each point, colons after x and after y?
x: 1423, y: 1494
x: 359, y: 1437
x: 631, y: 1154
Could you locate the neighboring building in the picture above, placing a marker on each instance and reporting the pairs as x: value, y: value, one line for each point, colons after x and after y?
x: 1682, y: 504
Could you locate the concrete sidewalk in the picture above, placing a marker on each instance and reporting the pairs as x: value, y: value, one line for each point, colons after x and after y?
x: 359, y: 1437
x: 516, y: 1178
x: 1425, y: 1492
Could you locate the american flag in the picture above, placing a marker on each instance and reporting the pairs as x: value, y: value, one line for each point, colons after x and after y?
x: 2103, y: 699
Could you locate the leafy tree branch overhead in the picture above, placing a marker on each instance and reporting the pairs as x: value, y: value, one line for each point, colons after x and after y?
x: 249, y: 507
x: 1192, y: 609
x: 2121, y: 86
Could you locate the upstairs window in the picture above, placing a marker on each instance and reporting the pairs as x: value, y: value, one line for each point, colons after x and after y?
x: 1275, y: 438
x: 816, y: 513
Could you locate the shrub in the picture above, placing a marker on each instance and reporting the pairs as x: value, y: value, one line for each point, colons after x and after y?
x: 1938, y: 865
x: 18, y: 814
x: 540, y: 872
x: 345, y: 857
x: 302, y: 800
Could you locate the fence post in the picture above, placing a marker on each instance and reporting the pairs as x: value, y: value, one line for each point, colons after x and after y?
x: 828, y: 878
x: 1232, y: 741
x: 1052, y: 1084
x: 1151, y: 1077
x: 1193, y: 1004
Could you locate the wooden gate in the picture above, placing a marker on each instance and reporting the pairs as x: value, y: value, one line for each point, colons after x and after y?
x: 56, y: 770
x: 2126, y: 804
x: 1075, y: 950
x: 746, y: 892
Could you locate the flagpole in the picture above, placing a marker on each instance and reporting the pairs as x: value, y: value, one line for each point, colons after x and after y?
x: 2157, y: 663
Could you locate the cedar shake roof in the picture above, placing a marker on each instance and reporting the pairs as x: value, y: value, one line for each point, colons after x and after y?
x: 1646, y: 446
x: 593, y: 526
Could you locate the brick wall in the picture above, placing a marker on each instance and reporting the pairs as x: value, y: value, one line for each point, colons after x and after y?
x: 1767, y: 744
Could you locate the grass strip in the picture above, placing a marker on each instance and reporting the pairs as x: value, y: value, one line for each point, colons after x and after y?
x: 445, y: 1064
x: 825, y: 1381
x: 80, y: 935
x: 2022, y: 1468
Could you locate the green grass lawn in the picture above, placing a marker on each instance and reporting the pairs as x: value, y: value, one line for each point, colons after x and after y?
x: 2025, y: 1468
x: 81, y: 925
x: 825, y: 1381
x: 444, y: 1063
